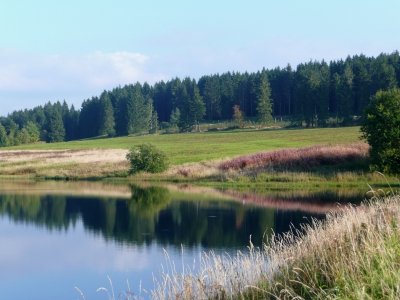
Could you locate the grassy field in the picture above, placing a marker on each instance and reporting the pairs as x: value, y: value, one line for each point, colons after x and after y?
x: 195, y: 147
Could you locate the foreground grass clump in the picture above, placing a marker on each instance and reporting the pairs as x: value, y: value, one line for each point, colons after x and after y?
x: 353, y: 254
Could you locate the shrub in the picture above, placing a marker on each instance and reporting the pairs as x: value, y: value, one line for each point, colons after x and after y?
x: 146, y: 157
x: 381, y: 130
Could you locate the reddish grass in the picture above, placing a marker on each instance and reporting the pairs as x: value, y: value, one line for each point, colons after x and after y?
x: 299, y: 158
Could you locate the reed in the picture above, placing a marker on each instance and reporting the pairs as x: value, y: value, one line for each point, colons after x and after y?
x: 353, y: 254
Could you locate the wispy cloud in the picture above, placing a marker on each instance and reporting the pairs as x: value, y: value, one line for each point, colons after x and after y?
x: 28, y: 79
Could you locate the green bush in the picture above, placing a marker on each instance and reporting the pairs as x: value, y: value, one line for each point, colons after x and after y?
x: 147, y: 158
x: 381, y: 130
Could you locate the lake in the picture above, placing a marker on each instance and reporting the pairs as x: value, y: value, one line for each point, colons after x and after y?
x: 55, y: 236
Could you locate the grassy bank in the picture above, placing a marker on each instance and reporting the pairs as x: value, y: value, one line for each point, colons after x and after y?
x: 195, y: 147
x: 209, y: 158
x: 354, y: 254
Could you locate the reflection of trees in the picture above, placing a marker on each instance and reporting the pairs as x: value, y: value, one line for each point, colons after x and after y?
x: 151, y: 215
x: 48, y: 210
x: 150, y: 200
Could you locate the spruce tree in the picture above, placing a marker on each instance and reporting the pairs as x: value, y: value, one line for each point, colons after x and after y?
x: 137, y: 110
x: 106, y: 114
x: 55, y: 125
x: 191, y: 107
x: 345, y: 96
x: 264, y: 105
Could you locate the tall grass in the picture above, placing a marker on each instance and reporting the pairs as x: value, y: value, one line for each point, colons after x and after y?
x: 353, y: 254
x: 300, y: 158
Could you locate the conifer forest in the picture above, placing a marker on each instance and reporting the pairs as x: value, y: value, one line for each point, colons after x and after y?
x: 316, y: 93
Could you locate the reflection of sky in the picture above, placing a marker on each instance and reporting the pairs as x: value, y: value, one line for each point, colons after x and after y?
x: 36, y: 263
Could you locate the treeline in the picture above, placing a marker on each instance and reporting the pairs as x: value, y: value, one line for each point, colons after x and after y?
x: 315, y: 94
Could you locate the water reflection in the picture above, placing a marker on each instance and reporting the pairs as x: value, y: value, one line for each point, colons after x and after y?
x: 57, y: 235
x: 168, y: 215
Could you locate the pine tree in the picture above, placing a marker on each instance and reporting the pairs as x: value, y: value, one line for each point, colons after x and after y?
x: 191, y: 107
x: 210, y: 91
x: 362, y: 81
x: 106, y: 113
x: 264, y: 105
x: 345, y: 96
x: 137, y: 110
x: 55, y: 125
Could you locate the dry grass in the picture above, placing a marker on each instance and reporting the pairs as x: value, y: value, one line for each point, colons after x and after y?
x: 64, y: 163
x: 354, y: 254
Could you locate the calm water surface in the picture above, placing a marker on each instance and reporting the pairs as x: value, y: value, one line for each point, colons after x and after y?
x: 55, y: 236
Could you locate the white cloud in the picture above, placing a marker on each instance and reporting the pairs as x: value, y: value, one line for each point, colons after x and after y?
x: 28, y: 80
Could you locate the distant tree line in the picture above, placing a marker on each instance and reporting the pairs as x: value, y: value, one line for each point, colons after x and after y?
x: 311, y: 95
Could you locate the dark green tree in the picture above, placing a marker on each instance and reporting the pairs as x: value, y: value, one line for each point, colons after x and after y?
x: 264, y: 104
x: 383, y: 74
x: 209, y: 87
x: 137, y: 110
x: 345, y: 96
x: 153, y: 122
x: 362, y: 82
x: 191, y: 105
x: 381, y: 130
x: 12, y: 130
x: 3, y: 137
x: 55, y: 126
x: 106, y: 114
x: 32, y: 132
x: 174, y: 118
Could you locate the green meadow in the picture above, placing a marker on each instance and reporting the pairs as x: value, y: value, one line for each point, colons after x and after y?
x: 195, y: 147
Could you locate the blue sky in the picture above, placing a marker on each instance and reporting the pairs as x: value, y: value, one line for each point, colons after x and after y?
x: 72, y: 50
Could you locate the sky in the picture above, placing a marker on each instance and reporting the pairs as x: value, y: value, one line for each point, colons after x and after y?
x: 73, y: 50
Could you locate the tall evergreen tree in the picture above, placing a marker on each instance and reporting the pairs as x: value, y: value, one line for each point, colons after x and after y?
x: 345, y: 95
x: 264, y: 105
x: 137, y: 110
x: 55, y: 125
x: 191, y: 107
x: 106, y: 114
x: 209, y: 87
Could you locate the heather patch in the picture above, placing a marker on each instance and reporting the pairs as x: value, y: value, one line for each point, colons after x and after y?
x: 299, y: 158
